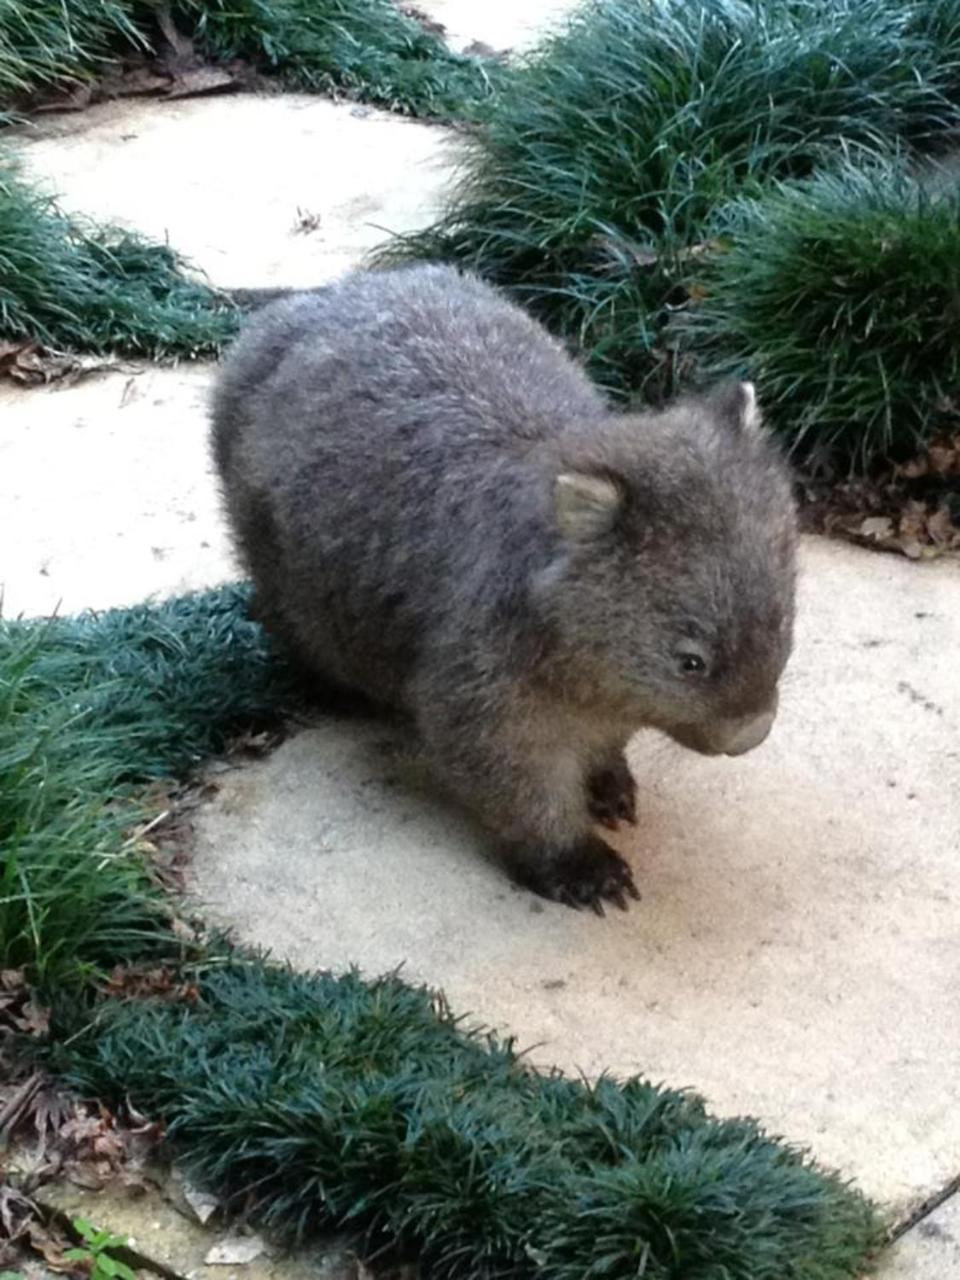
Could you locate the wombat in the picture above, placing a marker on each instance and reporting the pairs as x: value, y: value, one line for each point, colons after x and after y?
x: 439, y: 509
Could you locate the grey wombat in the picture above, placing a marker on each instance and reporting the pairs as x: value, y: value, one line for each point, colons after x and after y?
x: 438, y: 509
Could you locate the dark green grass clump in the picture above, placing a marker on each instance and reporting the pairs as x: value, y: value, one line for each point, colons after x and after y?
x: 841, y: 297
x: 72, y: 286
x: 52, y: 42
x: 365, y: 48
x: 368, y: 49
x: 320, y: 1102
x: 89, y: 708
x: 606, y: 156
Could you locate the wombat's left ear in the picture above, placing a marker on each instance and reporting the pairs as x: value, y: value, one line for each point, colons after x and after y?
x: 736, y: 404
x: 586, y: 505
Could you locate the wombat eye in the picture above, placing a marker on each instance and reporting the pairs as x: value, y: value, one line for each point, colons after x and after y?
x: 691, y: 663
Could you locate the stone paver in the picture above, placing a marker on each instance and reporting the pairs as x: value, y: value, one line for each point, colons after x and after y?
x: 500, y: 24
x: 796, y: 954
x: 106, y: 493
x: 230, y: 181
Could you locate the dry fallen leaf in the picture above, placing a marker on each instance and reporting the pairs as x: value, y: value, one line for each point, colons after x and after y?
x: 31, y: 364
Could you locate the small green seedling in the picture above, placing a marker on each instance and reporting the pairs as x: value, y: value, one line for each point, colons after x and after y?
x: 94, y: 1253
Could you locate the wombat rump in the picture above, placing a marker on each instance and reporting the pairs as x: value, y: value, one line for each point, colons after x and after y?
x: 439, y: 510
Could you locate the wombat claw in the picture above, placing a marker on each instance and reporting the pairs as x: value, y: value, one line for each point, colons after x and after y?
x: 613, y: 796
x: 590, y: 875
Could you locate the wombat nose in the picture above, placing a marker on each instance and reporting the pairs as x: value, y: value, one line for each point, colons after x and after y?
x: 748, y: 734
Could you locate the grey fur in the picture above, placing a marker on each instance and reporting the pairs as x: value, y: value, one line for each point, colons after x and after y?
x: 438, y: 509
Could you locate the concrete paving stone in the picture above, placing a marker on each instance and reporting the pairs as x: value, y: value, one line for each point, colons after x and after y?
x: 499, y: 24
x: 230, y: 181
x: 106, y: 492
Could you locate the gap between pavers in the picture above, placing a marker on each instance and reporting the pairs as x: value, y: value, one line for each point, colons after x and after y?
x: 796, y: 954
x: 928, y: 1251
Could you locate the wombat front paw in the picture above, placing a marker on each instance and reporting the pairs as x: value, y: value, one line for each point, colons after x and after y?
x: 585, y: 876
x: 612, y: 795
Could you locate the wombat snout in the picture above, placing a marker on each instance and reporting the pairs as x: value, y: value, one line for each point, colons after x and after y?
x: 749, y: 734
x: 728, y: 737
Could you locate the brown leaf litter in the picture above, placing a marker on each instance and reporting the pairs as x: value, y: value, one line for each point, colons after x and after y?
x: 911, y: 509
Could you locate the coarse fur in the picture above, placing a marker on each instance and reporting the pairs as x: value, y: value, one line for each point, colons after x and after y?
x: 438, y: 509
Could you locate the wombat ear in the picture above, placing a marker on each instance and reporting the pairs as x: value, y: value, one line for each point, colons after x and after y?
x: 586, y: 505
x: 736, y: 404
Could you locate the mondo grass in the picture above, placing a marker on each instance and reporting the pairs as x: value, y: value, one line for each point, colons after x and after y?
x: 50, y: 42
x: 320, y: 1103
x: 839, y: 297
x: 89, y: 708
x: 73, y: 286
x: 605, y: 157
x: 366, y: 48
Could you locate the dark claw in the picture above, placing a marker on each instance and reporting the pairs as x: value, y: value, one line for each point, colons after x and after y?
x: 585, y: 876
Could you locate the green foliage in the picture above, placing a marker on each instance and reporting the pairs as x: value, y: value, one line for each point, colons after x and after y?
x: 320, y: 1102
x: 599, y: 174
x: 94, y: 1255
x: 73, y: 286
x: 366, y: 48
x: 840, y: 296
x: 44, y: 42
x: 90, y: 707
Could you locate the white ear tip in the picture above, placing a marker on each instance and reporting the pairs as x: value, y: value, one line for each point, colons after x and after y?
x: 751, y: 410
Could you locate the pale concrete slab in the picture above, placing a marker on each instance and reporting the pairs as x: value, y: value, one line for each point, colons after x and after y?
x: 928, y: 1251
x: 107, y: 494
x: 796, y: 955
x: 500, y: 24
x: 281, y: 190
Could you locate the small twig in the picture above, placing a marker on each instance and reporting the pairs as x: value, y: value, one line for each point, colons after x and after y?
x: 13, y: 1109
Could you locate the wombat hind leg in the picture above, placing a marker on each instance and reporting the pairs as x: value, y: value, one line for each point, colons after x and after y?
x: 612, y: 794
x: 585, y: 875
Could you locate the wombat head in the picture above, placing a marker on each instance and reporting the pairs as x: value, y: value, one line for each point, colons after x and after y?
x: 672, y: 587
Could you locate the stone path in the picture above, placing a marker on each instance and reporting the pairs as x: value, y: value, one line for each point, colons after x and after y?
x: 796, y: 954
